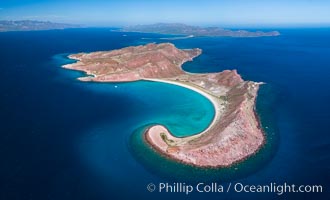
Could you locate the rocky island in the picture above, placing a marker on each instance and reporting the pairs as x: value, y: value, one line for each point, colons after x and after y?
x: 183, y: 29
x: 235, y: 132
x: 32, y: 25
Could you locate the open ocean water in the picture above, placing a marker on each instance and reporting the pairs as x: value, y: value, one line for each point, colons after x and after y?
x: 65, y: 139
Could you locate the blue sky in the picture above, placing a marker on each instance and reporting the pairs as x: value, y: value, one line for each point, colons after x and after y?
x: 205, y: 12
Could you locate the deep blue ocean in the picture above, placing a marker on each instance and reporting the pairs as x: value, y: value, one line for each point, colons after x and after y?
x: 61, y: 139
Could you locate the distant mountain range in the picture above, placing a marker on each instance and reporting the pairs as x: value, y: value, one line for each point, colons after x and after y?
x: 183, y: 29
x: 30, y: 25
x: 163, y: 28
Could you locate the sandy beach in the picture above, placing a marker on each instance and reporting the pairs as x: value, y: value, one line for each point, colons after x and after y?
x: 214, y: 100
x: 234, y: 133
x: 219, y: 145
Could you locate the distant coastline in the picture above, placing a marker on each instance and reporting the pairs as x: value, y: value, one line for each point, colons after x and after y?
x: 32, y: 25
x: 196, y: 31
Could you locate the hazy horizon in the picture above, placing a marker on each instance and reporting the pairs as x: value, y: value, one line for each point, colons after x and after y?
x: 224, y: 13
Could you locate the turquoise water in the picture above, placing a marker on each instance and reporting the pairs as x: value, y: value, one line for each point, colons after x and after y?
x: 183, y: 111
x: 175, y: 171
x: 65, y: 139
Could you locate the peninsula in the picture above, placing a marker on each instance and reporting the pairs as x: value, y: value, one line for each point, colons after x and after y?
x: 32, y: 25
x: 233, y: 135
x: 183, y: 29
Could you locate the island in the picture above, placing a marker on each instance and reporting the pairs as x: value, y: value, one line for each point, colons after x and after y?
x: 195, y: 31
x: 32, y: 25
x: 232, y: 136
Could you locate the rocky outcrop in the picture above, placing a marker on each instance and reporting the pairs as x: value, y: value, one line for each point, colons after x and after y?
x: 133, y: 63
x: 234, y: 133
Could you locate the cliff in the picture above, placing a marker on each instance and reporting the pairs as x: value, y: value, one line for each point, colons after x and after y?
x: 234, y: 133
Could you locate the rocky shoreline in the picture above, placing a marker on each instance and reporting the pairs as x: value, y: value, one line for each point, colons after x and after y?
x: 219, y: 145
x: 235, y: 131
